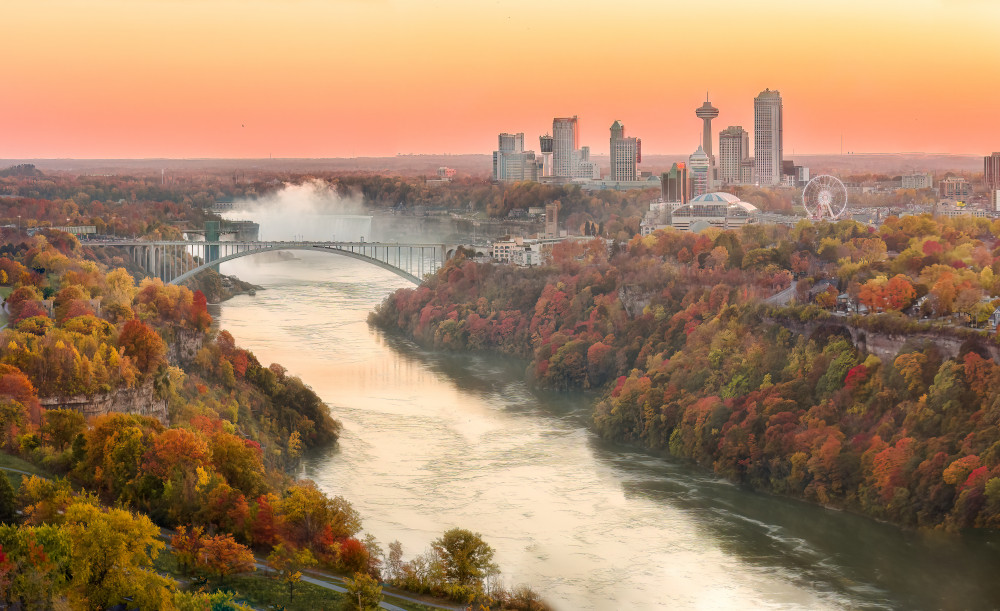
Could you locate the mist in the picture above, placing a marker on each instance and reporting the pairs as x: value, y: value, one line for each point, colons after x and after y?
x: 309, y: 211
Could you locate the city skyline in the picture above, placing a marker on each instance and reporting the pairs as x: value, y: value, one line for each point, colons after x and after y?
x: 220, y: 78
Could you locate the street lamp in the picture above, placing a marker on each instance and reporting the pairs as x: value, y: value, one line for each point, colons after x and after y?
x: 19, y: 223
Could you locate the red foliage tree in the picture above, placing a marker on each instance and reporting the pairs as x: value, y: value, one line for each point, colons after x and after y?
x: 143, y: 345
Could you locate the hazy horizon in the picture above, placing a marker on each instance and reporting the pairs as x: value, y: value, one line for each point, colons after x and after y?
x: 111, y: 79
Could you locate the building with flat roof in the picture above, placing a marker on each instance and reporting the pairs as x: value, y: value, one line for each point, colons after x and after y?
x: 767, y: 137
x: 991, y: 171
x: 917, y: 181
x: 674, y: 184
x: 565, y: 143
x: 734, y: 148
x: 955, y: 188
x: 511, y: 163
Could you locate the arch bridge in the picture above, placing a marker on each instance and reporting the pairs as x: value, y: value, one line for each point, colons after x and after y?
x: 176, y: 261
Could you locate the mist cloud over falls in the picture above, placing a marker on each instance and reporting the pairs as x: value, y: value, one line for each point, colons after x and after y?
x: 309, y: 211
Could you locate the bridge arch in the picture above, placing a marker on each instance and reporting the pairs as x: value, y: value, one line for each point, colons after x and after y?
x: 303, y: 247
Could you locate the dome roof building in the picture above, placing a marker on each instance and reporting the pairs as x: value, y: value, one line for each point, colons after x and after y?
x: 717, y: 209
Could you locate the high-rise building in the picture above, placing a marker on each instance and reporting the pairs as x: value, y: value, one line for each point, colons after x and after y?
x: 545, y: 144
x: 674, y: 184
x: 991, y: 171
x: 698, y: 169
x: 565, y: 142
x: 583, y: 166
x: 767, y: 137
x: 734, y: 147
x: 746, y: 171
x: 625, y: 154
x: 511, y: 163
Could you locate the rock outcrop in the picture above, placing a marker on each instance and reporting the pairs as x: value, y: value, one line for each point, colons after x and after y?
x: 140, y: 400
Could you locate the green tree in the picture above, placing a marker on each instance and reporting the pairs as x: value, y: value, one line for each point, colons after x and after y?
x: 61, y: 426
x: 288, y: 561
x: 8, y: 500
x: 467, y: 559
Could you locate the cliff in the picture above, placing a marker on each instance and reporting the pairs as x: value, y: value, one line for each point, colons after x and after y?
x: 140, y: 400
x: 887, y: 345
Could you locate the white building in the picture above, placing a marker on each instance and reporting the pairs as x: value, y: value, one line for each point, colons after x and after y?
x: 698, y: 168
x: 565, y: 142
x: 511, y: 163
x: 722, y: 210
x: 583, y: 167
x: 767, y: 137
x: 917, y: 181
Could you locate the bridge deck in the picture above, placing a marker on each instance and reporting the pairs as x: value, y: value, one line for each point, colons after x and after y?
x: 177, y: 260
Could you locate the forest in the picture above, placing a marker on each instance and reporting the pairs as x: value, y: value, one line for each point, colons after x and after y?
x: 672, y: 332
x: 215, y: 466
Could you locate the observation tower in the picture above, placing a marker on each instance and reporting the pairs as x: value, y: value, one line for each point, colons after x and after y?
x: 706, y: 112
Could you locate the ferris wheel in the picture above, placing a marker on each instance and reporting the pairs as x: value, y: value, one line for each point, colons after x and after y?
x: 825, y: 197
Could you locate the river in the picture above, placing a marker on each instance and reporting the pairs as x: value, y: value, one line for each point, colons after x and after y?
x: 432, y: 441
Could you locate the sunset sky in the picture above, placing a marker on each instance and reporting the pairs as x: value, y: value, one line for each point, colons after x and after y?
x: 328, y: 78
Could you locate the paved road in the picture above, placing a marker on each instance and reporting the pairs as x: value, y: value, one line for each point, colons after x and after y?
x: 327, y: 582
x: 782, y: 298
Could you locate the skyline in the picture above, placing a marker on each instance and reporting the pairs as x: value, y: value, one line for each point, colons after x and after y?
x: 228, y: 79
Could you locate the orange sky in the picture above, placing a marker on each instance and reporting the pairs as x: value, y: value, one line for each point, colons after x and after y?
x: 340, y: 78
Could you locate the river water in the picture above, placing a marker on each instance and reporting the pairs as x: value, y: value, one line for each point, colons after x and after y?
x: 432, y: 441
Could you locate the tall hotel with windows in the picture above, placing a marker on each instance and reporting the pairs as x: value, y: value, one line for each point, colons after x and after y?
x: 734, y: 149
x: 625, y: 154
x: 767, y: 137
x: 699, y: 165
x: 565, y: 142
x: 511, y: 163
x: 991, y: 176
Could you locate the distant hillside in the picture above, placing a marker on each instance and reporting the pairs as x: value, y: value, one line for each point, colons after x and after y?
x: 480, y: 165
x: 24, y: 169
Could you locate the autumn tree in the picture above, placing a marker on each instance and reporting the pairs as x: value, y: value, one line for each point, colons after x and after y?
x: 143, y: 345
x: 363, y: 593
x: 222, y: 556
x: 288, y: 561
x: 111, y: 558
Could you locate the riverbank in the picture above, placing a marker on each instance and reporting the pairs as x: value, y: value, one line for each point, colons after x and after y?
x: 436, y: 438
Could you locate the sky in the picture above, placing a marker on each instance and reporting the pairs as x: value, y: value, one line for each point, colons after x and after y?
x: 353, y: 78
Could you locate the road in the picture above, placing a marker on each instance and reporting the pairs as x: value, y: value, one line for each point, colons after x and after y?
x: 781, y: 298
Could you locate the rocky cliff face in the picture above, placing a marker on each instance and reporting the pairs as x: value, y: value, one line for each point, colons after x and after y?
x: 634, y: 299
x: 182, y: 349
x: 141, y: 400
x: 885, y: 345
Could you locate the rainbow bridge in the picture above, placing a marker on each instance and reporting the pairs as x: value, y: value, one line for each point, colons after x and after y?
x: 176, y: 261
